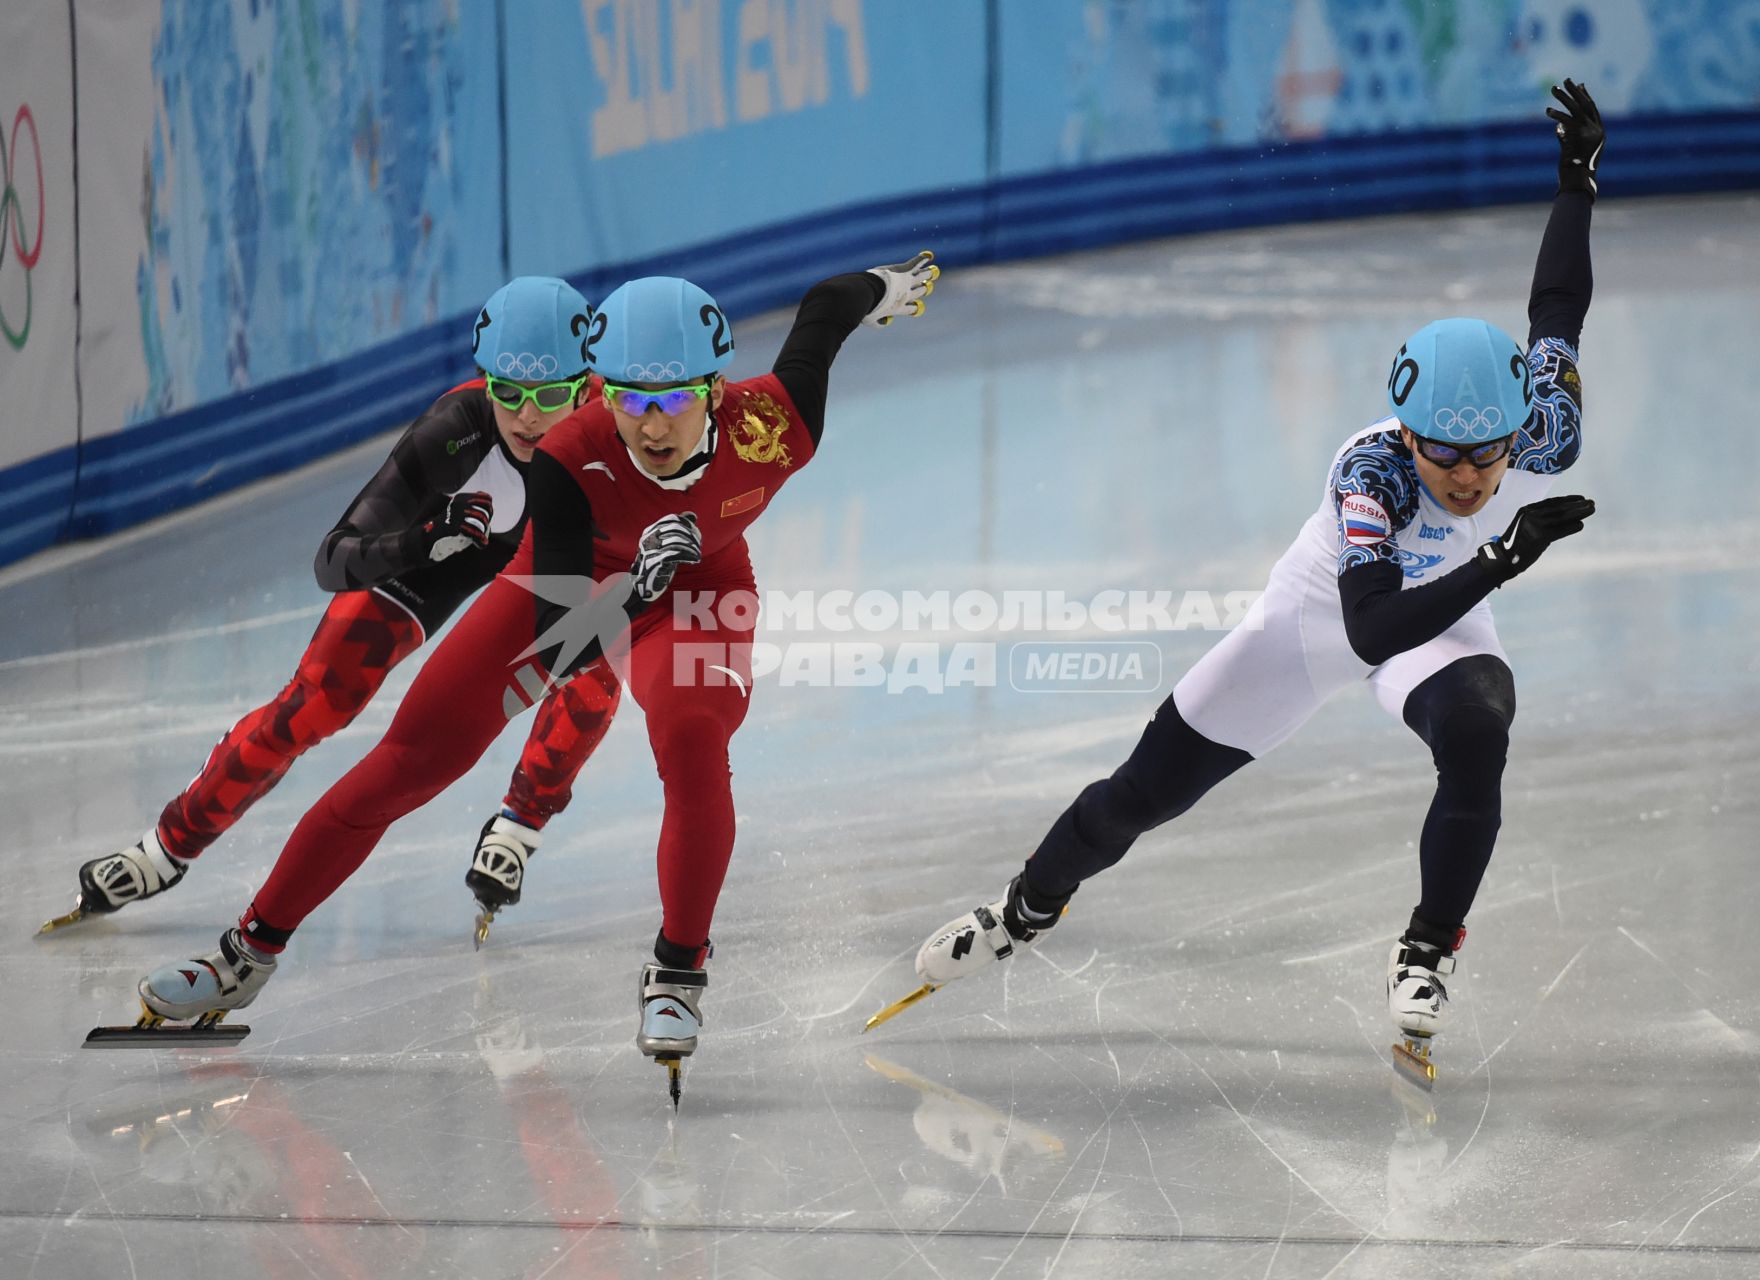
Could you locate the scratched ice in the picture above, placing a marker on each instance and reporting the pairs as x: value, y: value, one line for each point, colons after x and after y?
x: 1191, y: 1076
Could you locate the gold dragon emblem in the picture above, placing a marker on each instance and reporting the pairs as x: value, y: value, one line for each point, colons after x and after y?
x: 757, y: 430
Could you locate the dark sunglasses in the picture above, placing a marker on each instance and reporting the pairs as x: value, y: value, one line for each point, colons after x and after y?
x: 1480, y: 455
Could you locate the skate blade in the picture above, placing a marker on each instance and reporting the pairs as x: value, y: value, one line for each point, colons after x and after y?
x: 78, y: 913
x: 152, y: 1031
x: 674, y: 1074
x: 1411, y: 1058
x: 899, y: 1006
x: 485, y: 918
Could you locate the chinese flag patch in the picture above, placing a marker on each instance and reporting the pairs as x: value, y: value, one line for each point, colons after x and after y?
x: 745, y: 502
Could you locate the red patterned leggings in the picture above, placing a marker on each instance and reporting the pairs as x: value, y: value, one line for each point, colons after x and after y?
x: 361, y: 637
x: 691, y: 681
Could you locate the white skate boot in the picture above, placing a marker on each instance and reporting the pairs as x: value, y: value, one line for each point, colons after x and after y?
x: 671, y: 1018
x: 498, y: 868
x: 110, y: 883
x: 1417, y: 996
x: 209, y: 986
x: 194, y: 995
x: 974, y: 941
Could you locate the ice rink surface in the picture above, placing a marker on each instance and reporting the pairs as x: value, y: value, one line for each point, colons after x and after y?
x: 1191, y: 1076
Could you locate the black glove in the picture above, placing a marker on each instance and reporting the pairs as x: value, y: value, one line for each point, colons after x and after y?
x: 1536, y: 527
x: 667, y: 543
x: 464, y: 523
x: 1580, y: 138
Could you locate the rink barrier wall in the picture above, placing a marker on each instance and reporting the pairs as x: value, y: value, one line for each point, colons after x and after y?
x: 116, y: 481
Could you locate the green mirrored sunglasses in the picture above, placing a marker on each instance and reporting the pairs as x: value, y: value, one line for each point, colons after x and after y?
x: 548, y: 396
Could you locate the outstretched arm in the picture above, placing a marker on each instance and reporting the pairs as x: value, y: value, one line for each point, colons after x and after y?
x: 1563, y: 284
x: 1563, y: 281
x: 829, y: 313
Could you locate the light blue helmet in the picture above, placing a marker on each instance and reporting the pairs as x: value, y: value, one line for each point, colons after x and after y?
x: 534, y: 329
x: 1461, y: 382
x: 659, y: 329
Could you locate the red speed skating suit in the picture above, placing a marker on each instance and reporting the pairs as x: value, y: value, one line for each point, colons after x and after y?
x: 390, y: 597
x: 686, y: 658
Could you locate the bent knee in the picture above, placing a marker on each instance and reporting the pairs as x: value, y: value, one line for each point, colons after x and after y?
x: 1471, y: 735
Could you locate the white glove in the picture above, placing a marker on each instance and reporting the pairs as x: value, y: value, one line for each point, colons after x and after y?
x: 667, y: 543
x: 907, y: 284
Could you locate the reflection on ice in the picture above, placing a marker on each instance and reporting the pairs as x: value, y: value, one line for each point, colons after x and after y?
x: 964, y: 1130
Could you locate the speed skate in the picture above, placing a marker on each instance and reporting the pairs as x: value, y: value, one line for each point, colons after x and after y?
x: 972, y: 942
x: 184, y: 1003
x: 1416, y: 997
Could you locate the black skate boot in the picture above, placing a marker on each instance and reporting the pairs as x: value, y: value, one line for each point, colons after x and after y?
x: 110, y: 883
x: 498, y: 868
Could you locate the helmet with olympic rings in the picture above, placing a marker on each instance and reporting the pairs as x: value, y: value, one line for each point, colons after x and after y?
x: 533, y: 329
x: 1461, y: 382
x: 659, y: 329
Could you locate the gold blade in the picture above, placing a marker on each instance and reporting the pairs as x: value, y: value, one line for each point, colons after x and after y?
x: 1412, y: 1060
x: 674, y: 1071
x: 484, y: 919
x: 59, y: 922
x: 899, y: 1006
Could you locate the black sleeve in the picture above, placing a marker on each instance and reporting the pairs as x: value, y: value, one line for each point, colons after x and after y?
x: 828, y: 314
x: 1563, y: 280
x: 380, y: 535
x: 1381, y: 620
x: 575, y: 618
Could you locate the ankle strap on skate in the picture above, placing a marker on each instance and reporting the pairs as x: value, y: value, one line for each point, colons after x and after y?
x: 995, y: 933
x: 236, y: 963
x: 507, y: 833
x: 680, y: 977
x: 168, y: 867
x: 1419, y: 955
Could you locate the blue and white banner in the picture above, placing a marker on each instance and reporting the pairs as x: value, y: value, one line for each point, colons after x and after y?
x: 637, y: 128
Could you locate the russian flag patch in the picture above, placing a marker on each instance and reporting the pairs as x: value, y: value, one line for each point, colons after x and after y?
x: 1365, y: 520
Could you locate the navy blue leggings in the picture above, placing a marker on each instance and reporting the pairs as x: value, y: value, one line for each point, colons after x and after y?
x: 1462, y: 713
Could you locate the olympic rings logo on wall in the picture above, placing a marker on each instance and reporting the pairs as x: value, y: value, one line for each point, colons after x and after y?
x: 15, y: 227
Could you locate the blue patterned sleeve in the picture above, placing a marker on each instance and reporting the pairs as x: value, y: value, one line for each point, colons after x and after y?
x: 1553, y: 437
x: 1374, y: 496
